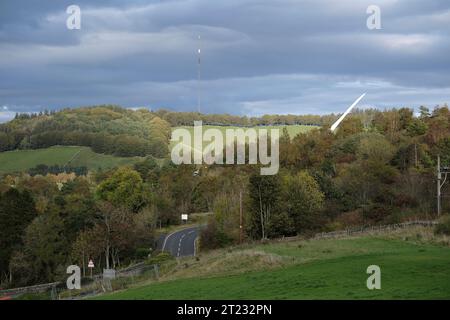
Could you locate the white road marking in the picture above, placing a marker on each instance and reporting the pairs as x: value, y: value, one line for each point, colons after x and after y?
x: 179, y: 242
x: 165, y: 240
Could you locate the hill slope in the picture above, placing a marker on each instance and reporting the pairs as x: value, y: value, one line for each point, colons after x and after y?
x: 316, y: 269
x: 106, y: 129
x: 22, y: 160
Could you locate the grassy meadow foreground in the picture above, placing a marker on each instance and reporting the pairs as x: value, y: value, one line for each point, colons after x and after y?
x: 413, y: 266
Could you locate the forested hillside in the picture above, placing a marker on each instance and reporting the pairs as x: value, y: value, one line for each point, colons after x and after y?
x: 106, y: 129
x: 122, y: 132
x: 378, y: 168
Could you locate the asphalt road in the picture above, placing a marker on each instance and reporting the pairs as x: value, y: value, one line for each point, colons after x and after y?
x: 181, y: 243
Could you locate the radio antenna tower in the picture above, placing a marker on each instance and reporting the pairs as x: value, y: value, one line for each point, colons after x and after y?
x: 199, y: 74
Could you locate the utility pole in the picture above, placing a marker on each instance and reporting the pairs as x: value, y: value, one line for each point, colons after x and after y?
x: 416, y: 161
x: 199, y: 75
x: 439, y: 176
x: 240, y: 216
x: 440, y: 171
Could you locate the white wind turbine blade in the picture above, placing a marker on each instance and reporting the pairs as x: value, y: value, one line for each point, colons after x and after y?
x: 338, y: 122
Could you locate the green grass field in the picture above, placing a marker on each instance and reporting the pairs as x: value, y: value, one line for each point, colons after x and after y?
x: 316, y: 269
x: 293, y: 130
x: 21, y: 160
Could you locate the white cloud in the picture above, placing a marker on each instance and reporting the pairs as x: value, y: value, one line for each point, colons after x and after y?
x: 103, y: 46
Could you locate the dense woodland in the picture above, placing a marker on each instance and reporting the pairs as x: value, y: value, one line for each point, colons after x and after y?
x: 188, y: 118
x: 106, y: 129
x: 122, y: 132
x: 379, y: 167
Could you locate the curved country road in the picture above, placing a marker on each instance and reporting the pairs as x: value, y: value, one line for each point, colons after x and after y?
x: 181, y: 243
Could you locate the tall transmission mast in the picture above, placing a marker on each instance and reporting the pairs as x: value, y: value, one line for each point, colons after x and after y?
x: 199, y: 73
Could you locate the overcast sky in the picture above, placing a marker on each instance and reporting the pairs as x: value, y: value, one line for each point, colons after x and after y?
x: 258, y: 56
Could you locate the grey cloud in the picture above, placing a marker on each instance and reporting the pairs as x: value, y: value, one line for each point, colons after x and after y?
x: 256, y: 55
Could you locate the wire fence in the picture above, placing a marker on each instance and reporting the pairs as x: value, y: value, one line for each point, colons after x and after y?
x: 368, y: 229
x: 90, y: 285
x: 15, y: 292
x: 364, y: 229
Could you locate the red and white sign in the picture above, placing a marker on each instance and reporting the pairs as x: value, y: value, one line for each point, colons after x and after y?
x: 91, y: 264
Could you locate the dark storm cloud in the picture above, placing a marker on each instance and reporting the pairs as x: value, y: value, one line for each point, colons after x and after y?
x: 257, y: 56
